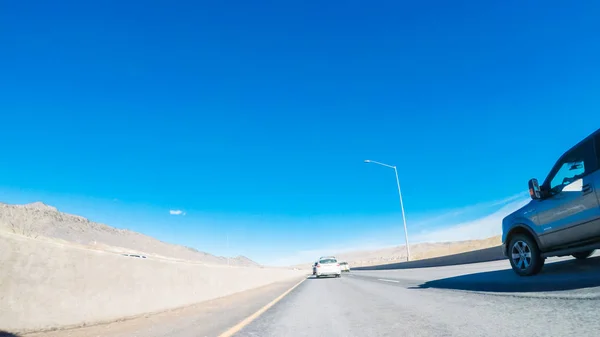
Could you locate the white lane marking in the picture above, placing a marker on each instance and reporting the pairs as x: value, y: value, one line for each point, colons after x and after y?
x: 384, y: 280
x: 233, y: 330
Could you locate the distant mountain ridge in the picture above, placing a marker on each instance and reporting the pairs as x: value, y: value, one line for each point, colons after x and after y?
x: 40, y: 220
x: 418, y: 251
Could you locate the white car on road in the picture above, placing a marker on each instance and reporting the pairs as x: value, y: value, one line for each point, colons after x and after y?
x: 328, y: 266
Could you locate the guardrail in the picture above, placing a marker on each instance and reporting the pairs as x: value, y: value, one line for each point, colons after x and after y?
x: 481, y: 255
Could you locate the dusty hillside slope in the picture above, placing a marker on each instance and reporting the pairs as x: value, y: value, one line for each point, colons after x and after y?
x: 418, y: 251
x: 38, y: 220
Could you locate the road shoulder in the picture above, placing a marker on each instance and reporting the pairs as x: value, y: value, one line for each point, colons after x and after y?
x: 210, y: 318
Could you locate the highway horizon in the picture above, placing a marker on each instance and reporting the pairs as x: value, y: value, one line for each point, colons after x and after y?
x: 479, y: 299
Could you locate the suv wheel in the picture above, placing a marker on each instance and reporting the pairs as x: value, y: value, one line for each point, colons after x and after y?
x: 524, y: 255
x: 583, y: 255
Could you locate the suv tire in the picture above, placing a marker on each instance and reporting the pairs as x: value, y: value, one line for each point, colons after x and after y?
x: 583, y: 255
x: 524, y: 255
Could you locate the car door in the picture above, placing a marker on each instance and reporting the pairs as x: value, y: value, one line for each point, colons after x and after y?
x: 571, y: 211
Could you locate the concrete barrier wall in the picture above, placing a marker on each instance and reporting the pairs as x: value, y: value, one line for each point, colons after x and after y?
x: 481, y: 255
x: 44, y: 285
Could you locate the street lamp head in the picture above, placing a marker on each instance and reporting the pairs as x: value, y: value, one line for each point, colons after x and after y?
x: 367, y: 161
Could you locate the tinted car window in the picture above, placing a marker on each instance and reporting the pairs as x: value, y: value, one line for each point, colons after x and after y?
x: 576, y: 164
x: 597, y: 139
x: 324, y: 261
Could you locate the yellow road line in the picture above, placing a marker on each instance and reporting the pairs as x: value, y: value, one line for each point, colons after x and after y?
x: 255, y: 315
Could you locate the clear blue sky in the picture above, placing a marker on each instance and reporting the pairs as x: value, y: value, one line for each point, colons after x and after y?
x: 255, y: 118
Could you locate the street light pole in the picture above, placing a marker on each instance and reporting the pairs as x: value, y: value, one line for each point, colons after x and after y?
x: 403, y: 216
x: 401, y: 203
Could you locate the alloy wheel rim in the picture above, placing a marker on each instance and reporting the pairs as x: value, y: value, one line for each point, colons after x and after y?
x: 521, y: 255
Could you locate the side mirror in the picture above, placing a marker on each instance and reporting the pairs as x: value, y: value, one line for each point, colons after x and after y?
x: 534, y: 189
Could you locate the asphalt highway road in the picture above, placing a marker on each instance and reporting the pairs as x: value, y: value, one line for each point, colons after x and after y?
x: 484, y: 299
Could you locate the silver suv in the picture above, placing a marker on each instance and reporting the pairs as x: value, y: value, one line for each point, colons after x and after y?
x: 563, y: 217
